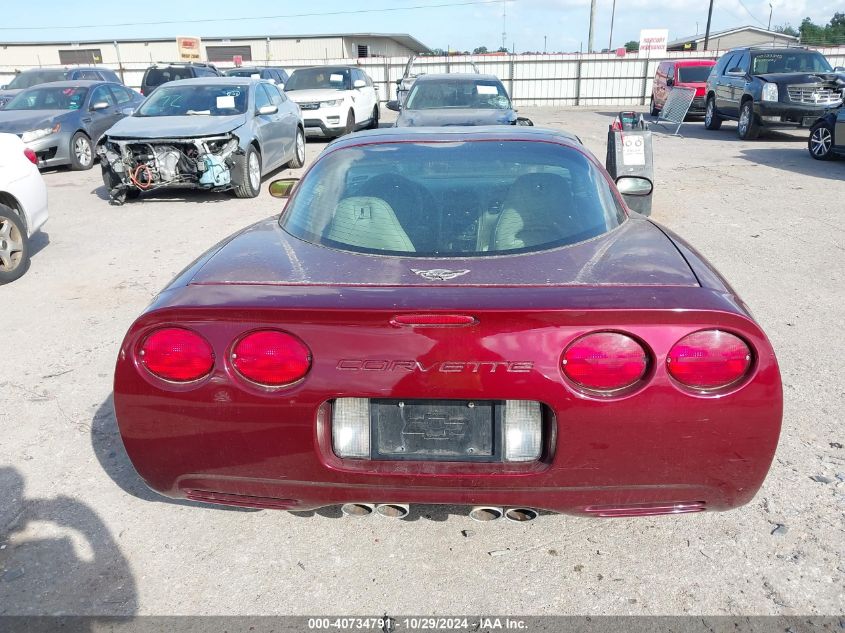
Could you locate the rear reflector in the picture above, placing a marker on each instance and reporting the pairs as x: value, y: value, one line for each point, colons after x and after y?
x: 523, y: 421
x: 31, y: 156
x: 605, y: 361
x: 177, y: 354
x: 433, y: 320
x: 351, y: 427
x: 710, y: 359
x: 271, y: 358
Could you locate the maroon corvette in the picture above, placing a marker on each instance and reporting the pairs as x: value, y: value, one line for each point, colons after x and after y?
x: 452, y: 316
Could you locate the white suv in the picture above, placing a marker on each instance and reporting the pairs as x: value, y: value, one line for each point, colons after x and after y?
x: 23, y: 205
x: 334, y: 100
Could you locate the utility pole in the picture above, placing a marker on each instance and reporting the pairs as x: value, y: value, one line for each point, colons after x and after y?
x: 771, y: 9
x: 592, y: 25
x: 545, y: 44
x: 709, y: 19
x: 612, y: 17
x: 504, y: 24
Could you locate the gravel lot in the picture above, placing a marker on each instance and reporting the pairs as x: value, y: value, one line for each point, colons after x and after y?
x: 81, y: 534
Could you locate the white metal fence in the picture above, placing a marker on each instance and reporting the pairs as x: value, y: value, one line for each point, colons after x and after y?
x: 560, y: 80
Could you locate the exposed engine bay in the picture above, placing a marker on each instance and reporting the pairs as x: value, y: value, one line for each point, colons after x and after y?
x: 131, y: 166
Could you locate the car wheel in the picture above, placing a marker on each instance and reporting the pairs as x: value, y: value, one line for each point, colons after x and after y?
x: 14, y: 246
x: 654, y: 111
x: 110, y: 180
x: 374, y: 119
x: 81, y: 152
x: 748, y: 128
x: 298, y: 150
x: 350, y: 124
x: 248, y: 184
x: 821, y: 141
x: 712, y: 121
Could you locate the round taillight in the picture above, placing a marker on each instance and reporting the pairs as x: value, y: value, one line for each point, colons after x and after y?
x: 605, y: 361
x: 177, y: 354
x: 710, y: 359
x: 31, y: 156
x: 271, y: 358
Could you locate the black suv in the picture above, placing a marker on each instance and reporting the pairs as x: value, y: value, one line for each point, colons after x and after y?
x: 161, y: 73
x: 771, y: 87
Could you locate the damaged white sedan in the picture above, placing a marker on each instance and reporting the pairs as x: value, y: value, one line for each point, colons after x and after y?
x: 212, y: 133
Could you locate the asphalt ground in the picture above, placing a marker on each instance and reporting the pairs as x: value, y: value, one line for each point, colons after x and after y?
x: 81, y: 534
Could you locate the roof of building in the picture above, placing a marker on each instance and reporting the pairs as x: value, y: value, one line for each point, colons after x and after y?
x: 739, y: 29
x: 404, y: 39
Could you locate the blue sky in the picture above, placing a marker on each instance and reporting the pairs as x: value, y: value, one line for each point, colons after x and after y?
x: 563, y: 22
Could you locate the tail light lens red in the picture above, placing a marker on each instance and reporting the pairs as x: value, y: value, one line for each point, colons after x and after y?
x: 31, y: 156
x: 605, y: 361
x: 710, y: 359
x: 433, y: 320
x: 271, y: 358
x: 177, y: 354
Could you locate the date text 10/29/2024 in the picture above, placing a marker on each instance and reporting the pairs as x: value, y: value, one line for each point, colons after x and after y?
x: 388, y: 624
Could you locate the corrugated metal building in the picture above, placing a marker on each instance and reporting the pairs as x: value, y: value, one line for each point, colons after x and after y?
x: 272, y: 49
x: 732, y: 38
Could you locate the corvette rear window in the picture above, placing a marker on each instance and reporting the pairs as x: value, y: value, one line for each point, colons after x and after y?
x: 451, y: 199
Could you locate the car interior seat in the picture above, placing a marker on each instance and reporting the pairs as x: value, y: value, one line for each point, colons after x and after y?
x: 368, y: 223
x: 535, y: 211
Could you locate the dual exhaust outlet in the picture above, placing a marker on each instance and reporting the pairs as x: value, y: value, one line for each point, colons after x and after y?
x: 400, y: 510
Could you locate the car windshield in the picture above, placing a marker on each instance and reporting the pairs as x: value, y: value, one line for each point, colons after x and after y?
x: 208, y: 100
x: 244, y: 72
x: 158, y: 76
x: 693, y: 74
x: 49, y: 98
x: 429, y: 95
x: 453, y: 199
x: 33, y: 78
x: 319, y: 78
x: 790, y: 62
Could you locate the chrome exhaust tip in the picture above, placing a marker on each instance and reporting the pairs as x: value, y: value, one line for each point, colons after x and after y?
x: 485, y: 513
x: 357, y: 510
x: 393, y: 510
x: 520, y: 515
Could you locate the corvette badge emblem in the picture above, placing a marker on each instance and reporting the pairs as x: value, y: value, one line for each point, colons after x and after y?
x: 439, y: 274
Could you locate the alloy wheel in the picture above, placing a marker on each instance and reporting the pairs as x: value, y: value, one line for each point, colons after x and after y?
x: 821, y: 141
x: 11, y: 245
x: 82, y: 150
x: 300, y: 147
x: 254, y: 171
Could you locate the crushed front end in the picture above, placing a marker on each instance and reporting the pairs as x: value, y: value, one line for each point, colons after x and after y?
x: 131, y: 166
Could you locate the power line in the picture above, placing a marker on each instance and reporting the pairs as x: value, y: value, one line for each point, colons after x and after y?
x: 265, y: 17
x: 753, y: 17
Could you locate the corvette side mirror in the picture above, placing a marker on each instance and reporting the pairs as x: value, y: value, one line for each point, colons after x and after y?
x: 283, y: 187
x: 634, y: 186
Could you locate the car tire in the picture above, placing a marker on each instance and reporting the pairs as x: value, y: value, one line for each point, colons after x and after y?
x: 374, y: 119
x: 350, y: 123
x: 820, y: 143
x: 712, y: 121
x: 81, y: 152
x: 747, y: 128
x: 654, y: 111
x: 246, y: 183
x: 14, y: 246
x: 298, y: 159
x: 111, y: 181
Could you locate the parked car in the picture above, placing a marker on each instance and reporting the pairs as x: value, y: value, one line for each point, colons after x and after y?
x: 36, y: 76
x: 455, y: 316
x: 683, y: 73
x: 766, y: 87
x: 63, y: 121
x: 278, y: 76
x: 456, y: 99
x: 827, y: 136
x: 214, y: 133
x: 162, y: 73
x: 336, y: 100
x: 23, y: 206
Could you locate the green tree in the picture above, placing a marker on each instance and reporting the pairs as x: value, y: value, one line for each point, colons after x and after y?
x: 787, y: 29
x: 480, y: 50
x: 632, y: 46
